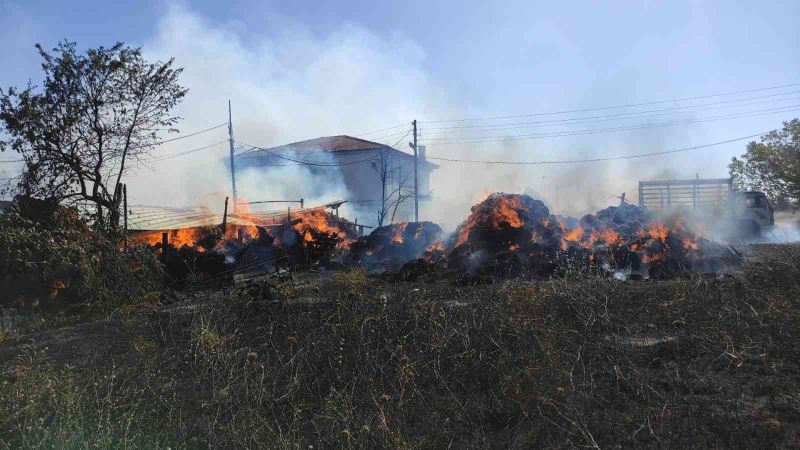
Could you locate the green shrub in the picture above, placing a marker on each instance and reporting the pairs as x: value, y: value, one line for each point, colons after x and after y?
x: 60, y: 261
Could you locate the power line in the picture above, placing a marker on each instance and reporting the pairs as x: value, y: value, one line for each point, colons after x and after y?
x: 623, y: 115
x: 160, y: 143
x: 607, y: 158
x: 175, y: 155
x: 192, y: 134
x: 401, y: 138
x: 495, y: 138
x: 382, y: 129
x: 388, y: 136
x: 630, y: 105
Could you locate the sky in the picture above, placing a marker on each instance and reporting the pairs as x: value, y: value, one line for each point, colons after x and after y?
x: 298, y: 70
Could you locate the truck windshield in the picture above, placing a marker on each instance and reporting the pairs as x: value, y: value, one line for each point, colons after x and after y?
x: 755, y: 201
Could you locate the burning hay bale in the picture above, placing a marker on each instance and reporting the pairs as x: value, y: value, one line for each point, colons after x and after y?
x: 505, y: 235
x: 511, y: 234
x: 629, y: 240
x: 391, y: 246
x: 320, y: 235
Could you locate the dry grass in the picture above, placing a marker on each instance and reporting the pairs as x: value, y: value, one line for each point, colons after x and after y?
x: 350, y: 361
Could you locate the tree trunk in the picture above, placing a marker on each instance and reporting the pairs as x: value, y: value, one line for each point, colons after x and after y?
x: 114, y: 215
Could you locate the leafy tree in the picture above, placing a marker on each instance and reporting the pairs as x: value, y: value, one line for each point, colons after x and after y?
x: 772, y: 165
x: 94, y: 113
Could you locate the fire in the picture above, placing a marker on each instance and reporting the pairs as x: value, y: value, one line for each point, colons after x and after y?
x: 616, y: 238
x: 609, y: 236
x: 435, y: 247
x: 574, y: 235
x: 318, y: 222
x: 690, y: 244
x: 507, y: 213
x: 176, y: 238
x: 397, y: 236
x: 499, y: 210
x: 658, y: 231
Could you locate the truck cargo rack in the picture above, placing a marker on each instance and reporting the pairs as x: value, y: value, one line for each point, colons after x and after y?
x: 715, y: 194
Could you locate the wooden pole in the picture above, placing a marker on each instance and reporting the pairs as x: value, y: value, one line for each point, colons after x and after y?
x: 164, y: 243
x: 125, y: 216
x: 225, y: 218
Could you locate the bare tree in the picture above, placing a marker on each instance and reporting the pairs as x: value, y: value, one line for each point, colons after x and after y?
x: 94, y: 113
x: 388, y: 169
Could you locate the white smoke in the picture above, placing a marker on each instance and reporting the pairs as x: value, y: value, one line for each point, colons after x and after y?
x: 285, y: 86
x: 289, y: 84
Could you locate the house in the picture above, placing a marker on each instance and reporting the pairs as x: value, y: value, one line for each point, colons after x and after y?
x: 379, y: 179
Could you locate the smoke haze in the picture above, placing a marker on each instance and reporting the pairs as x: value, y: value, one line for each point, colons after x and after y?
x: 292, y: 83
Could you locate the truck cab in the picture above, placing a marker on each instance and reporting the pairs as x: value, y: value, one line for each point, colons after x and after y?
x: 754, y: 210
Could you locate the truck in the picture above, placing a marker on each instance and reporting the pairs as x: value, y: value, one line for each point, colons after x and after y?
x: 750, y: 212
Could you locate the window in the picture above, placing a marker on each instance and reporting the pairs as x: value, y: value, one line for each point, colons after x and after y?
x: 755, y: 201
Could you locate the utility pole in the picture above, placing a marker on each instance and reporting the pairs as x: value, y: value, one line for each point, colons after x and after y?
x: 233, y: 164
x: 416, y: 196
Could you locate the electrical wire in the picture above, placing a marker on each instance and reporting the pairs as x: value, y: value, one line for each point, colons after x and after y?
x: 607, y: 158
x: 382, y: 129
x: 191, y: 134
x: 388, y: 136
x: 490, y: 139
x: 175, y: 155
x: 620, y: 116
x: 630, y: 105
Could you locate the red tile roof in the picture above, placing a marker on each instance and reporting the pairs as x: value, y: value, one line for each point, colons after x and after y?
x: 329, y: 144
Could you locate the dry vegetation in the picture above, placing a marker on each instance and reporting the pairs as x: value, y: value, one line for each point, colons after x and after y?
x: 353, y: 361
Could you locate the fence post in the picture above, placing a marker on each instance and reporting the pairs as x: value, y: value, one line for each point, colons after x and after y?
x: 164, y: 243
x: 225, y: 218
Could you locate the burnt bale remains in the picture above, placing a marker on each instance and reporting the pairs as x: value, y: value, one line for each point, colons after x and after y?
x: 391, y: 246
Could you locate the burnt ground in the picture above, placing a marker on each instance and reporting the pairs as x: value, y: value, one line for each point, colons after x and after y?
x: 352, y: 360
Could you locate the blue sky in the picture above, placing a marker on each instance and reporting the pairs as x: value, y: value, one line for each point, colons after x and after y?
x: 352, y: 66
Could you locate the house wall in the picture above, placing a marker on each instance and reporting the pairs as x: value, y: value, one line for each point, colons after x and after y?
x: 363, y: 183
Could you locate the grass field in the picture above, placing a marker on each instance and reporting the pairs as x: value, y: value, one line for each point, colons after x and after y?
x: 348, y: 360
